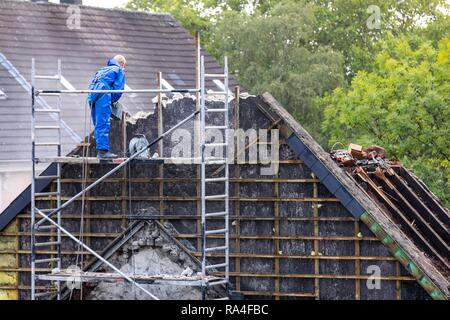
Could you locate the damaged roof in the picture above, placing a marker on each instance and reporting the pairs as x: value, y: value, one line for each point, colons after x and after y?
x: 48, y: 32
x: 415, y: 230
x: 151, y: 43
x: 412, y: 246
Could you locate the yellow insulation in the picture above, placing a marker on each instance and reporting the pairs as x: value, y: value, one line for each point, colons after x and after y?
x: 8, y: 260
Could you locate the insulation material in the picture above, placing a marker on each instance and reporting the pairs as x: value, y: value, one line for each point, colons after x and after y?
x: 8, y: 260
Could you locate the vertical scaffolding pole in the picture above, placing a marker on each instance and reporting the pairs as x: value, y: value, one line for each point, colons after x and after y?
x: 200, y: 113
x: 203, y: 171
x: 237, y: 205
x: 227, y: 181
x: 197, y: 141
x: 160, y: 147
x: 58, y: 181
x: 197, y: 95
x: 33, y: 174
x: 159, y: 113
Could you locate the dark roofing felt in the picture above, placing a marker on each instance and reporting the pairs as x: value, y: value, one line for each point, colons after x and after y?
x: 345, y: 188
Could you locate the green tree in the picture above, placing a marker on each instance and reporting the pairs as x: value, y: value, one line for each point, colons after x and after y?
x: 349, y: 26
x: 276, y: 52
x: 201, y: 15
x: 184, y: 11
x: 403, y: 105
x: 352, y: 27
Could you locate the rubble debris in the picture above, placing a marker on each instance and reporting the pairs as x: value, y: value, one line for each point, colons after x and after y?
x: 376, y: 151
x: 356, y: 156
x: 143, y: 262
x: 402, y: 198
x: 356, y: 151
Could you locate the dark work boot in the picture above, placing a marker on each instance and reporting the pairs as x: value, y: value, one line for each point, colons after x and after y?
x: 104, y: 154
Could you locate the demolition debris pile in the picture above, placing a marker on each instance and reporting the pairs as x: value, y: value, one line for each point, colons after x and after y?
x: 356, y: 156
x: 402, y: 196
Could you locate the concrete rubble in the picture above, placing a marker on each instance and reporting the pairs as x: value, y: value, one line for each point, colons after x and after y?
x: 151, y: 252
x: 357, y: 156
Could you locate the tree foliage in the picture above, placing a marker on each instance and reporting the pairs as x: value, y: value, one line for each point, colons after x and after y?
x: 403, y: 105
x: 184, y: 11
x: 350, y: 26
x: 296, y: 69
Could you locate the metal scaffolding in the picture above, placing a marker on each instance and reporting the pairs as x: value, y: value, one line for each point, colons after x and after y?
x: 205, y: 181
x: 35, y: 129
x: 47, y: 222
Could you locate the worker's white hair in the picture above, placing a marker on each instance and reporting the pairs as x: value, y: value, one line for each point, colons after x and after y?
x: 120, y: 59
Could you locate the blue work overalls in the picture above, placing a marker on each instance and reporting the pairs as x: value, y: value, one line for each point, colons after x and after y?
x: 111, y: 77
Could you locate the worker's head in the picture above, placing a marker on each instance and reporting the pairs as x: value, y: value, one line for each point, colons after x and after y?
x: 121, y: 60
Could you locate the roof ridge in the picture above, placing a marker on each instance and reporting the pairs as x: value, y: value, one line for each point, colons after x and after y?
x: 125, y: 10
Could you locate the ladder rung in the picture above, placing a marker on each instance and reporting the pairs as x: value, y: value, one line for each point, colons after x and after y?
x: 47, y: 110
x: 214, y: 283
x: 47, y: 210
x: 43, y: 294
x: 47, y: 127
x: 220, y: 144
x: 216, y: 248
x: 216, y: 196
x: 216, y: 161
x: 216, y: 231
x: 216, y: 110
x: 49, y: 94
x: 46, y: 260
x: 216, y: 127
x: 45, y: 227
x: 46, y: 177
x: 221, y: 179
x: 215, y: 75
x: 48, y: 77
x: 40, y: 144
x: 219, y: 265
x: 45, y: 244
x: 43, y: 194
x: 216, y: 214
x: 217, y: 93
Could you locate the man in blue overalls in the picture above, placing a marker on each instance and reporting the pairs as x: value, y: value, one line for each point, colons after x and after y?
x: 111, y: 77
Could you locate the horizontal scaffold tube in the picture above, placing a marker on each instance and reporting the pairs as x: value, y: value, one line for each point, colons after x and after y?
x: 37, y: 92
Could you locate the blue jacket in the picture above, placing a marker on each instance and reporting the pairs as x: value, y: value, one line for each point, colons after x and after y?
x: 110, y: 77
